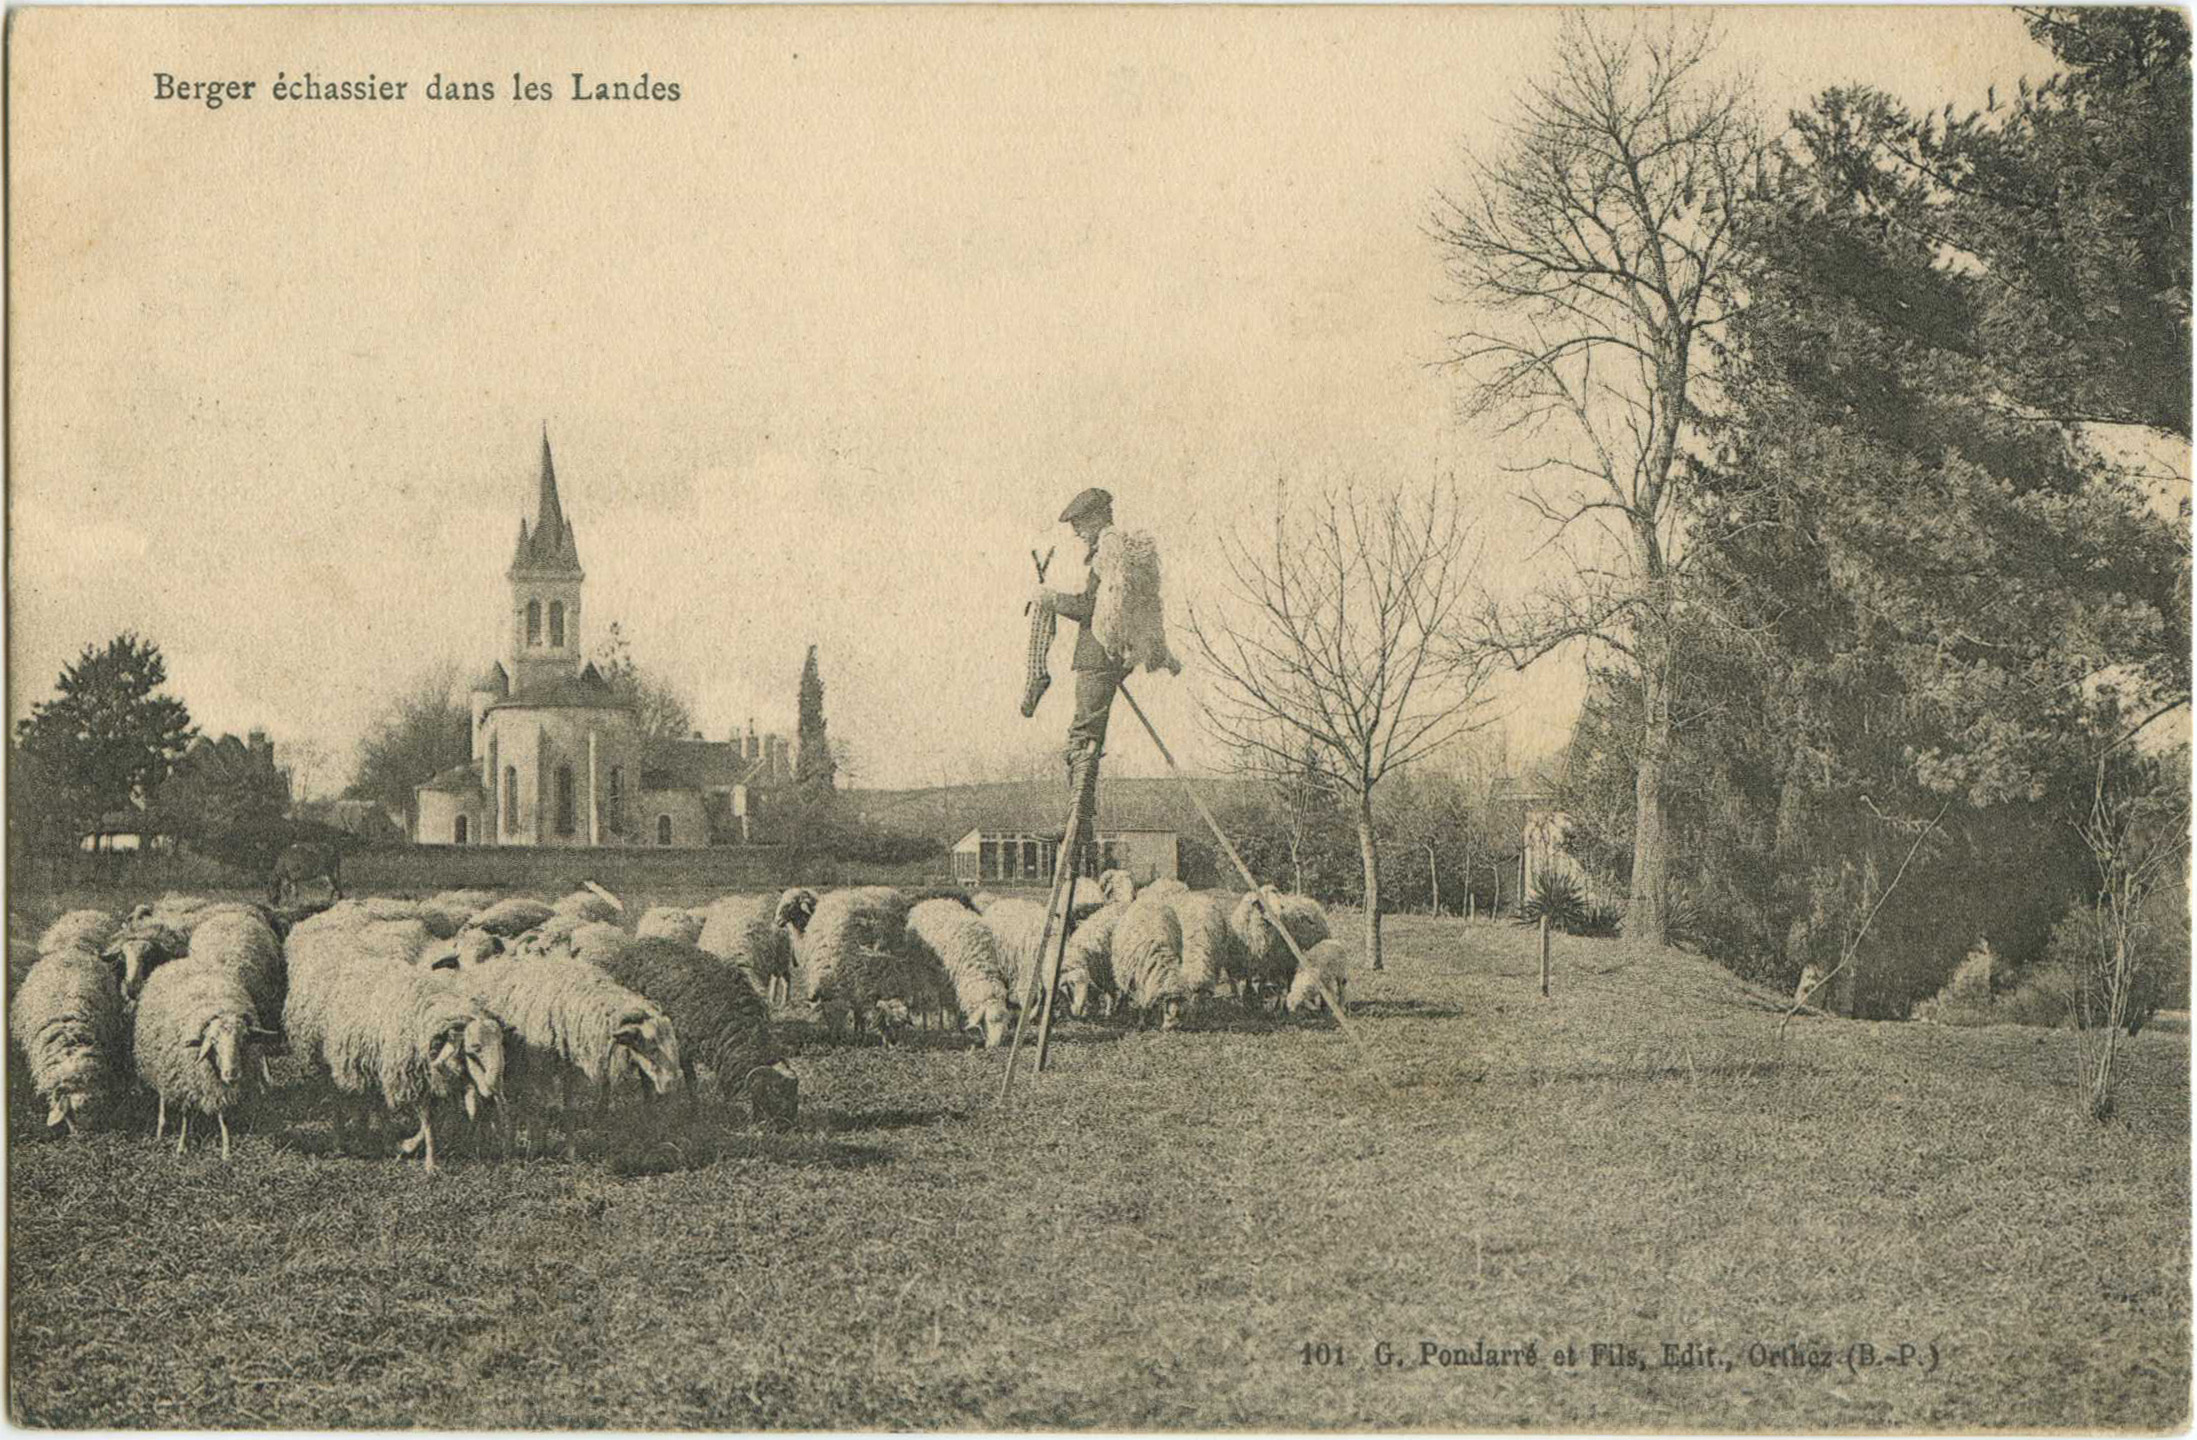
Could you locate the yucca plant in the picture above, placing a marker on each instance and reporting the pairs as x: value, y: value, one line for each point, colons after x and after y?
x: 1557, y: 897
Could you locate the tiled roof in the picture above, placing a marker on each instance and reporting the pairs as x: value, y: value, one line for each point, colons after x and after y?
x: 457, y: 780
x: 693, y: 765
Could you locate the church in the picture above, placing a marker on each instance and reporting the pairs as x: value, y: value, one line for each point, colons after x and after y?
x: 558, y: 757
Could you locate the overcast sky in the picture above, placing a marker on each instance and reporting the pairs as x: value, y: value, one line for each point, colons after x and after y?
x: 822, y: 348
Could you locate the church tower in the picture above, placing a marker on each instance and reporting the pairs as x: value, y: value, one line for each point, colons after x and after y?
x: 545, y: 578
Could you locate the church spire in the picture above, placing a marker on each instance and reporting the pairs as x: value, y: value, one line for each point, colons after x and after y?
x: 549, y: 546
x: 549, y: 520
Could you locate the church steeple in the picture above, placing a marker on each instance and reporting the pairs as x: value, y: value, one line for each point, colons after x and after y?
x: 545, y: 578
x: 548, y: 549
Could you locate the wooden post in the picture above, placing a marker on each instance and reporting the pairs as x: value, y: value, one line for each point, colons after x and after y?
x: 1544, y: 957
x: 1051, y: 969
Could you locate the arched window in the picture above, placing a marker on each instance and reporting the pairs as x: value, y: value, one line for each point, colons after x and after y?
x: 510, y: 799
x: 557, y: 622
x: 533, y: 622
x: 663, y: 829
x: 564, y: 800
x: 617, y: 805
x: 457, y: 831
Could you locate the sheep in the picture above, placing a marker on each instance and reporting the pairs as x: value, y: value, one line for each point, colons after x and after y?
x: 195, y: 1028
x: 568, y: 1018
x: 964, y: 945
x: 756, y: 933
x: 852, y: 951
x: 511, y: 918
x: 1147, y: 956
x: 721, y: 1020
x: 1018, y: 926
x: 590, y: 902
x: 67, y: 1018
x: 78, y: 929
x: 1326, y: 970
x: 669, y: 922
x: 1118, y: 886
x: 461, y: 952
x: 1162, y: 887
x: 142, y: 946
x: 1087, y: 968
x: 412, y: 1034
x: 1268, y: 963
x: 1210, y: 952
x: 454, y: 908
x: 244, y: 945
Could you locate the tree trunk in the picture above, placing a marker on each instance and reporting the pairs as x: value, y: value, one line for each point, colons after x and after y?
x: 1369, y: 855
x: 1644, y: 915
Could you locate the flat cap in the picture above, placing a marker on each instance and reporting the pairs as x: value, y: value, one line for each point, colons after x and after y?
x: 1090, y: 502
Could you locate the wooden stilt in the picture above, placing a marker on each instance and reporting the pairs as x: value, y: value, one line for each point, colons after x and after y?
x: 1045, y: 936
x: 1050, y: 965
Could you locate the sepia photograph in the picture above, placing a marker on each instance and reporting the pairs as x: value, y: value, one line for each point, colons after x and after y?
x: 1124, y: 718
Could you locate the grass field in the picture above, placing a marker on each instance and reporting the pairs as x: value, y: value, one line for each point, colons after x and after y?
x: 1151, y: 1234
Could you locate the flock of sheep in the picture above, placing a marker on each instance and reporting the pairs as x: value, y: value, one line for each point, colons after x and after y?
x: 395, y: 1008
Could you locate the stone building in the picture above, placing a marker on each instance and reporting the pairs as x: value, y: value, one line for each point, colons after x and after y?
x: 558, y: 758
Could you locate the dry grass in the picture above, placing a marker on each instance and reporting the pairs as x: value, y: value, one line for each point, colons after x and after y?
x: 1158, y: 1226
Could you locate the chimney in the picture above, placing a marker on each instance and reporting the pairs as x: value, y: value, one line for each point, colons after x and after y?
x: 754, y: 749
x: 261, y: 748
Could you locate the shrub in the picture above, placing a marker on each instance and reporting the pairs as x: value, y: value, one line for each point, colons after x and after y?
x: 1557, y: 897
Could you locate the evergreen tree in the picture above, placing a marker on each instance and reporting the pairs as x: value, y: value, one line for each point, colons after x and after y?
x: 108, y: 739
x: 813, y: 761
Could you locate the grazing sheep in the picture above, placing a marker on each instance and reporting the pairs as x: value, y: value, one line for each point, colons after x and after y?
x: 570, y: 1020
x: 411, y: 1034
x: 1326, y: 968
x: 722, y: 1021
x: 67, y: 1018
x: 454, y: 909
x: 1269, y: 963
x: 1088, y: 967
x: 964, y: 945
x: 143, y: 945
x: 511, y: 917
x: 1210, y: 953
x: 590, y: 902
x: 756, y: 933
x: 1147, y: 957
x: 195, y: 1028
x: 1118, y: 886
x: 669, y: 922
x: 79, y: 929
x: 852, y: 954
x: 1019, y: 926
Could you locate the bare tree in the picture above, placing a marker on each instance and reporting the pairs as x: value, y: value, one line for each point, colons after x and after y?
x: 1334, y: 653
x: 1593, y: 251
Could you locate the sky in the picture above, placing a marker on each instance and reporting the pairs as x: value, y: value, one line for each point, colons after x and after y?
x: 822, y: 348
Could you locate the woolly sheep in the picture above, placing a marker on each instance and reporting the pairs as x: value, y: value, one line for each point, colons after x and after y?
x: 454, y: 908
x: 965, y: 946
x: 1163, y: 887
x: 756, y: 933
x: 462, y: 951
x: 511, y: 917
x: 720, y: 1019
x: 78, y: 929
x: 1018, y: 926
x: 1147, y: 956
x: 1087, y: 969
x: 590, y: 902
x: 67, y: 1019
x: 1118, y: 886
x: 143, y: 945
x: 1326, y: 967
x: 244, y: 945
x: 853, y: 952
x: 195, y: 1029
x: 1269, y: 963
x: 670, y: 922
x: 410, y: 1034
x: 569, y: 1019
x: 1210, y: 953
